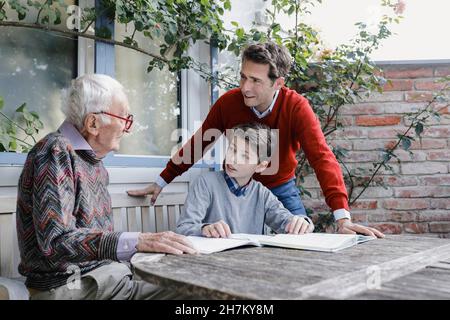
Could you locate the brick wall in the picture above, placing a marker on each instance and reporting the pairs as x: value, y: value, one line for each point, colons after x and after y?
x: 417, y: 200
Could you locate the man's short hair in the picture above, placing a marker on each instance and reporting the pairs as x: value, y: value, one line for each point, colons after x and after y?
x: 91, y: 93
x: 276, y: 57
x: 261, y: 138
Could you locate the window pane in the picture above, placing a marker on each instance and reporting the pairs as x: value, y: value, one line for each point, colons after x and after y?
x: 34, y: 66
x: 153, y: 99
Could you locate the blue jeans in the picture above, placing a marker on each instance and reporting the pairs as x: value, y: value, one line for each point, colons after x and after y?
x: 289, y: 195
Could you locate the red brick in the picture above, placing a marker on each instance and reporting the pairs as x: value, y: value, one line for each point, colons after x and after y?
x: 342, y: 143
x: 425, y: 144
x: 349, y: 133
x: 361, y: 109
x: 440, y: 204
x: 425, y: 168
x: 428, y: 85
x: 418, y: 96
x: 385, y: 133
x: 406, y: 156
x: 400, y: 181
x: 407, y: 73
x: 362, y: 156
x: 406, y: 204
x: 414, y: 227
x: 443, y: 180
x: 437, y: 132
x: 376, y: 216
x: 388, y: 228
x: 401, y: 216
x: 439, y: 155
x: 422, y: 192
x: 433, y: 215
x: 364, y: 205
x: 398, y: 85
x: 401, y: 107
x: 365, y: 144
x: 375, y: 192
x: 442, y: 71
x: 388, y: 96
x: 440, y: 227
x: 370, y: 121
x: 359, y: 217
x: 442, y: 109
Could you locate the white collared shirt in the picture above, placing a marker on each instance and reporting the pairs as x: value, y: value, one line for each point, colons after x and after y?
x: 261, y: 115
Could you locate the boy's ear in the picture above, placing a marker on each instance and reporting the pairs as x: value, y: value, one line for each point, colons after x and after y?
x: 91, y: 124
x: 262, y: 166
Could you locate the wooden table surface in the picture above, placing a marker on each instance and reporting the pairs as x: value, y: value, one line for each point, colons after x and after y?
x: 397, y: 267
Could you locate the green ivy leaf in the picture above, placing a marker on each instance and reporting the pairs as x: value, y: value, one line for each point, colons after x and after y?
x: 419, y: 129
x: 28, y: 116
x: 21, y: 108
x: 406, y: 143
x: 240, y: 32
x: 30, y: 131
x: 227, y: 5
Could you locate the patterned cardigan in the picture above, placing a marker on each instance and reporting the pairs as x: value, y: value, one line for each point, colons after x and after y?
x: 64, y: 217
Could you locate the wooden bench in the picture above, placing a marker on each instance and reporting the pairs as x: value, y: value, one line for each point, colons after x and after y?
x: 129, y: 214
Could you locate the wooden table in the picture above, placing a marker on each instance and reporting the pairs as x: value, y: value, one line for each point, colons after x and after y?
x: 397, y: 267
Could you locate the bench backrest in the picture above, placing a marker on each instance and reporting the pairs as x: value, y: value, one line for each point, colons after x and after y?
x: 129, y: 214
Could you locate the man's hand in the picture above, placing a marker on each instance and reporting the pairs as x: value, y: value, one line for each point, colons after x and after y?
x: 346, y: 226
x: 216, y: 230
x: 164, y: 242
x: 152, y: 189
x: 299, y: 225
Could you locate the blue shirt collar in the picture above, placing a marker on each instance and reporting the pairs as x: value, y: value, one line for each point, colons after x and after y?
x: 234, y: 187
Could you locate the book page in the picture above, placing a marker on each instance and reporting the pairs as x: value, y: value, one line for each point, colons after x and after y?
x: 252, y: 237
x: 327, y: 242
x: 210, y: 245
x: 363, y: 238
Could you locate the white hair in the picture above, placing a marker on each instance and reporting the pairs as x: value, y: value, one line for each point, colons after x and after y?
x: 91, y: 93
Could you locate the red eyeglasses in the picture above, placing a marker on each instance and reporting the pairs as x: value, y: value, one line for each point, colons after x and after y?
x: 128, y: 120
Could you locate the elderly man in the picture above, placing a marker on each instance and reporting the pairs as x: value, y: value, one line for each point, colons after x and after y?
x: 64, y: 218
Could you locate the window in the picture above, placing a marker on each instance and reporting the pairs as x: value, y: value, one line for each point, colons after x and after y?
x: 153, y: 97
x: 34, y: 67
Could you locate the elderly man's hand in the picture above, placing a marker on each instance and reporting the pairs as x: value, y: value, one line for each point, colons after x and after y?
x: 152, y: 189
x: 164, y: 242
x: 220, y: 229
x: 299, y: 225
x: 346, y: 226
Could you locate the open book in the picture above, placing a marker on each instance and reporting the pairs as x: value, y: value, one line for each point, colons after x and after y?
x: 325, y: 242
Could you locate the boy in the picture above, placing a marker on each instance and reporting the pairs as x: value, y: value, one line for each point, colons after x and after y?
x: 230, y: 201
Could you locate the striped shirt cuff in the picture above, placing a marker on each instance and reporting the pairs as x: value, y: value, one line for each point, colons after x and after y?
x: 107, y: 249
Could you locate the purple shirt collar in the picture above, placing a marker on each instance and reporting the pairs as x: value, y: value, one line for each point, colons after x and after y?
x: 74, y: 136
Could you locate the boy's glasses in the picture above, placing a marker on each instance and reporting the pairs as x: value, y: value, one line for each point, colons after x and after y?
x: 128, y: 120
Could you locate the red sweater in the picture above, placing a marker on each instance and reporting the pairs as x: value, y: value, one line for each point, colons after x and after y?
x: 298, y: 128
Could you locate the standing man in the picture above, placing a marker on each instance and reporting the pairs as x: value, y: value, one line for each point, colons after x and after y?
x: 262, y: 97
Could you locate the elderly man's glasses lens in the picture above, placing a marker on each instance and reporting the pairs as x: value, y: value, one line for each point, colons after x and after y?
x: 128, y: 120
